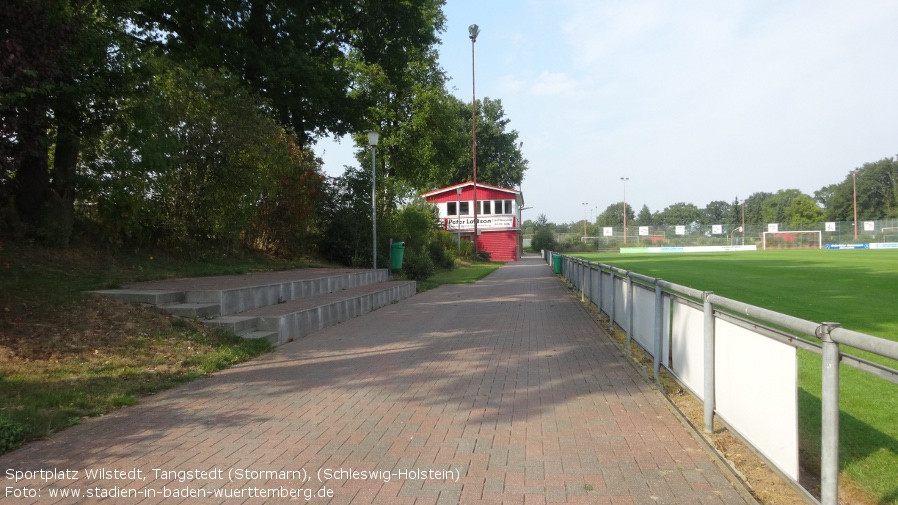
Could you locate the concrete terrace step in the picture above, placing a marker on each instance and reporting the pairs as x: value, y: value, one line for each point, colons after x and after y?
x: 278, y: 306
x: 296, y: 319
x: 194, y: 310
x: 149, y: 296
x: 239, y: 293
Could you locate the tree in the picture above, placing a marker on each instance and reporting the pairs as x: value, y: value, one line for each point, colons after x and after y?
x: 680, y: 213
x: 645, y: 217
x: 543, y: 238
x: 877, y: 193
x: 802, y: 211
x: 346, y: 221
x: 716, y: 212
x: 194, y: 164
x: 735, y: 212
x: 613, y: 215
x: 753, y: 207
x: 296, y: 55
x: 433, y: 146
x: 499, y: 158
x: 773, y: 209
x: 60, y: 63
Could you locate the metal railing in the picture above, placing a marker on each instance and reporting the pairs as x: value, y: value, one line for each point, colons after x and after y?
x: 624, y: 297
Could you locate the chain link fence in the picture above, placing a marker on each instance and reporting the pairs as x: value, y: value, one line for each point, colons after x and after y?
x: 836, y: 232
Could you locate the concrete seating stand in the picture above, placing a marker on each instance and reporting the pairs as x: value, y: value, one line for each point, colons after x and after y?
x: 278, y: 306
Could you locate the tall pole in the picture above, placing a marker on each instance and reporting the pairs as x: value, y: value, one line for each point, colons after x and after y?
x: 372, y: 141
x: 458, y: 214
x: 854, y: 178
x: 473, y: 32
x: 373, y: 208
x: 625, y: 179
x: 743, y: 222
x: 584, y: 221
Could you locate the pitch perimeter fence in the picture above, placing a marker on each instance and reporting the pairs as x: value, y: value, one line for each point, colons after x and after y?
x: 738, y: 359
x: 834, y: 232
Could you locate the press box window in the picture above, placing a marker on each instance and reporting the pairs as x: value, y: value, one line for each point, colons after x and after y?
x: 464, y: 209
x: 486, y: 207
x: 503, y: 207
x: 451, y: 209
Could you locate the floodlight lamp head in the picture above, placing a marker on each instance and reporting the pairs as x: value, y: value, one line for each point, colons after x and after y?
x: 372, y: 138
x: 473, y: 32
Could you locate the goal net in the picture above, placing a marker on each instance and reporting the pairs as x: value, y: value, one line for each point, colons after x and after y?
x: 889, y: 233
x: 805, y: 239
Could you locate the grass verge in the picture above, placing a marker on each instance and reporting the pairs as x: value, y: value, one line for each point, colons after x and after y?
x: 463, y: 273
x: 66, y: 355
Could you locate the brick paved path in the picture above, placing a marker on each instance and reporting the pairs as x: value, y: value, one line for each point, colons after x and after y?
x: 502, y: 391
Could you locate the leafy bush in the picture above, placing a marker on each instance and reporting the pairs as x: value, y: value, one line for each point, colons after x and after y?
x: 417, y: 266
x: 543, y: 239
x: 467, y: 249
x: 442, y: 250
x: 11, y: 434
x: 198, y: 165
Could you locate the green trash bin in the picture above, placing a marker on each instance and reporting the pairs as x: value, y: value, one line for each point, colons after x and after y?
x: 396, y: 252
x: 556, y: 263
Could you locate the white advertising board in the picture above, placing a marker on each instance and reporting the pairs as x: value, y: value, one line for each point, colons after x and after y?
x: 680, y: 230
x: 688, y: 347
x: 698, y: 248
x: 756, y: 392
x: 621, y: 301
x: 606, y: 292
x: 716, y: 229
x: 644, y: 318
x: 608, y: 231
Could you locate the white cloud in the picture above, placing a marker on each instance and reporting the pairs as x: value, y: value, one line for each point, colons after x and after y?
x: 553, y: 83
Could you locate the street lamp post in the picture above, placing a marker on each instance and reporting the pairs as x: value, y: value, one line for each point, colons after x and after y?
x: 473, y: 32
x: 625, y: 179
x: 372, y: 141
x: 854, y: 183
x: 743, y: 222
x: 458, y: 215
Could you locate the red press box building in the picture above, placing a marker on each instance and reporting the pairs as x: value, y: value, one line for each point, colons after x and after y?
x: 498, y: 217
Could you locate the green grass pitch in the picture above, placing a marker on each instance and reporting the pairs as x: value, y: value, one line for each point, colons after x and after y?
x: 858, y: 288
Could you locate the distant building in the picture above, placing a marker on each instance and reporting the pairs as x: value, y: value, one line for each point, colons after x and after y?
x: 498, y: 217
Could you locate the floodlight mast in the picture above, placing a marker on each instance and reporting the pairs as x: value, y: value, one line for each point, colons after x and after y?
x: 625, y: 179
x: 854, y: 183
x: 473, y: 32
x: 584, y: 220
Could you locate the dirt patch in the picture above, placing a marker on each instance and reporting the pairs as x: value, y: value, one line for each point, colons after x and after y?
x: 92, y: 324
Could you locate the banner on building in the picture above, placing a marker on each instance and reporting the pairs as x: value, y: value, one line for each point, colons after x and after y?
x: 483, y: 223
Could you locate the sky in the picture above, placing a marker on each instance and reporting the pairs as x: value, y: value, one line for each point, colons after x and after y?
x: 693, y: 101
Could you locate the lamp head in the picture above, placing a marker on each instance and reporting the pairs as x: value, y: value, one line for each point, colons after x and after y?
x: 372, y: 138
x: 473, y: 32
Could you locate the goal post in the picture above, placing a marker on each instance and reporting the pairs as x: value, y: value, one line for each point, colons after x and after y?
x: 801, y: 239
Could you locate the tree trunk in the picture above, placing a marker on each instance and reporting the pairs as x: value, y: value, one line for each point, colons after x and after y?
x: 65, y: 162
x: 32, y: 178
